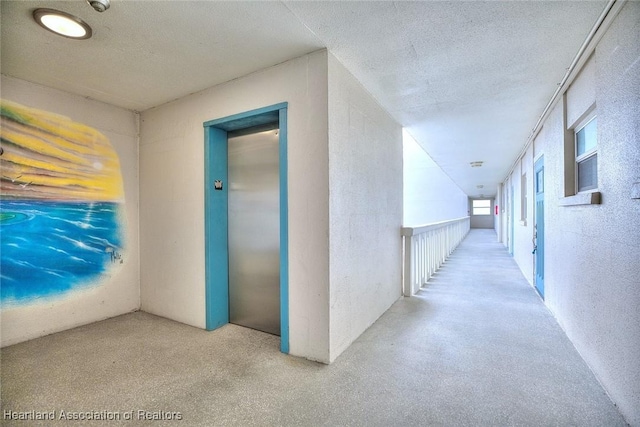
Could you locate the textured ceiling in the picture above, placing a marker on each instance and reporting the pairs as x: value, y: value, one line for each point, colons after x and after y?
x: 468, y: 79
x: 146, y: 53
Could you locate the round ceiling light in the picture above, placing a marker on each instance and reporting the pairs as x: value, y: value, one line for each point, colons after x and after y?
x: 62, y: 23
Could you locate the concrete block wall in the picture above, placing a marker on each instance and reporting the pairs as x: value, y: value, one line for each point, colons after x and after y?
x: 519, y: 235
x: 523, y: 228
x: 592, y: 251
x: 172, y: 197
x: 365, y: 186
x: 345, y: 208
x: 119, y: 292
x: 482, y: 221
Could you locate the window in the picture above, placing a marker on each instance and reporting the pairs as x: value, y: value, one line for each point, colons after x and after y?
x: 586, y: 140
x: 580, y: 156
x: 482, y: 207
x: 539, y: 181
x: 523, y: 197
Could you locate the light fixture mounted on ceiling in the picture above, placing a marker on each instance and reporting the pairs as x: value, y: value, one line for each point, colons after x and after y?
x: 476, y: 164
x: 99, y: 5
x: 62, y: 23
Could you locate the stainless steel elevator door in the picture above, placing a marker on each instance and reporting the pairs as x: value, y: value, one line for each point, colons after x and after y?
x: 254, y: 231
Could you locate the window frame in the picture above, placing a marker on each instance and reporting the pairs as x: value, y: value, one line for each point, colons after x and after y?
x: 570, y: 184
x: 473, y: 207
x: 593, y: 152
x: 523, y: 198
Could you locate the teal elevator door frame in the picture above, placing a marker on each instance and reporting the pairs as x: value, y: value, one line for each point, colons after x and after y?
x: 539, y: 225
x: 217, y: 214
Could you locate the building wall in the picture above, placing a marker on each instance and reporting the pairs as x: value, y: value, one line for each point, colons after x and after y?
x: 523, y: 215
x: 365, y: 184
x: 592, y: 251
x: 482, y: 221
x: 116, y: 290
x: 172, y: 197
x: 498, y: 217
x: 506, y: 214
x: 429, y: 195
x: 514, y: 213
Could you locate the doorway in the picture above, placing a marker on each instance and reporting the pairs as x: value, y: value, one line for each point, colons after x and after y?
x: 246, y: 222
x: 254, y: 229
x: 511, y: 221
x: 539, y: 226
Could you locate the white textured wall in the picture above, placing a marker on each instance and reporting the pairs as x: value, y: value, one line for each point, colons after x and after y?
x: 119, y: 294
x: 512, y: 205
x: 523, y: 230
x: 505, y: 214
x: 172, y: 197
x: 429, y: 195
x: 596, y: 293
x: 581, y: 94
x: 365, y: 182
x: 592, y: 252
x: 482, y: 221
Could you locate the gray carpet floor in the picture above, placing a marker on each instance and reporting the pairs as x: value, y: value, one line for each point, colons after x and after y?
x: 476, y: 347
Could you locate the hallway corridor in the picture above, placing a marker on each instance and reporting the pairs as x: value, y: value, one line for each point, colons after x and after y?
x: 476, y: 347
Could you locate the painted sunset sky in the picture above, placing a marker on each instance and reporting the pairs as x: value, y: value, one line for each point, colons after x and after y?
x: 50, y: 157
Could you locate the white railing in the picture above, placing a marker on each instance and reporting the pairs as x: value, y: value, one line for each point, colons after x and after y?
x: 426, y: 247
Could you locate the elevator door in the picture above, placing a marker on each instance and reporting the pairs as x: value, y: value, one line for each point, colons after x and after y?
x: 254, y: 231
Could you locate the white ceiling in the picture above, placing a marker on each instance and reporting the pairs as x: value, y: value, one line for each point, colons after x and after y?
x: 468, y: 79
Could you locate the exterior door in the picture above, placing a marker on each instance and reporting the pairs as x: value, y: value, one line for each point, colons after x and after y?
x: 511, y: 222
x: 539, y: 226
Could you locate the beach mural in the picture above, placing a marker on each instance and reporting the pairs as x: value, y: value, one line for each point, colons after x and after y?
x: 61, y: 206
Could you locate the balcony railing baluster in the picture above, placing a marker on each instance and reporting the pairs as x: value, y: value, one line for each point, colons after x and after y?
x: 426, y: 248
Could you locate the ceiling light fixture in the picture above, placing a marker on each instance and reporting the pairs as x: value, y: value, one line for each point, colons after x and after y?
x: 62, y: 24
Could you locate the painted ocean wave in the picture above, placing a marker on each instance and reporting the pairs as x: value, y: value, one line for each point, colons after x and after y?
x: 50, y: 248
